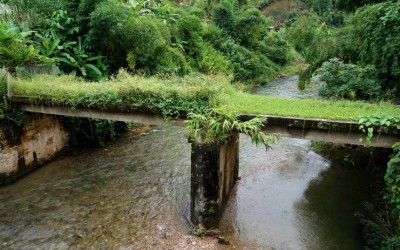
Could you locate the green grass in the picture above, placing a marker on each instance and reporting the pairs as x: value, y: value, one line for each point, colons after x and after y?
x: 173, y: 96
x: 176, y: 96
x: 310, y: 108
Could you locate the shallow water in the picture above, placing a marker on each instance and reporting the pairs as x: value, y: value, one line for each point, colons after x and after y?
x: 292, y: 198
x: 287, y: 87
x: 125, y: 195
x: 117, y: 197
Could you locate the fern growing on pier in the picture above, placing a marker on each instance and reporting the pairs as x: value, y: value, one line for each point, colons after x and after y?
x: 218, y: 126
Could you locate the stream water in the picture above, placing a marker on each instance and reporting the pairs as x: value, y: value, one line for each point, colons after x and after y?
x: 132, y: 194
x: 287, y: 87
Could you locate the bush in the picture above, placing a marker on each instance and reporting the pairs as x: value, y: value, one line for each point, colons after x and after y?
x: 14, y: 50
x: 372, y: 37
x: 223, y: 17
x: 250, y: 27
x: 106, y: 24
x: 170, y: 61
x: 248, y: 66
x: 312, y: 38
x: 43, y: 7
x: 275, y: 47
x: 212, y: 61
x: 14, y: 54
x: 187, y: 35
x: 213, y: 35
x: 3, y: 83
x: 348, y: 81
x: 128, y: 40
x: 143, y: 41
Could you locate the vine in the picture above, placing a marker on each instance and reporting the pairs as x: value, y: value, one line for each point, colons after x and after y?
x: 390, y: 239
x: 368, y: 125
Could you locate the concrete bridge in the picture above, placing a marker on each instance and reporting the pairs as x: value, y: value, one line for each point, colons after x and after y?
x: 214, y: 168
x: 335, y: 131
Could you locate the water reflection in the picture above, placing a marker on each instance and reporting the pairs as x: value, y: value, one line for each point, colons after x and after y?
x: 326, y: 211
x: 292, y: 198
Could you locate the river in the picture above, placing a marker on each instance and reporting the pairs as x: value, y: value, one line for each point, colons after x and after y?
x: 132, y: 194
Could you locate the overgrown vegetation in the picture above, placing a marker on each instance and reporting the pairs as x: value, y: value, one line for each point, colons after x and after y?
x: 90, y: 38
x: 382, y: 224
x: 217, y: 126
x: 83, y: 131
x: 170, y: 96
x: 364, y: 43
x: 184, y: 55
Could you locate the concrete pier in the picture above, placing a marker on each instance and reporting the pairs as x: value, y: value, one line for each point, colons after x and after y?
x: 214, y: 171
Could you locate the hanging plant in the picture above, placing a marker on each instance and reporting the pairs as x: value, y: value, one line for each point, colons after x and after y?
x: 218, y: 126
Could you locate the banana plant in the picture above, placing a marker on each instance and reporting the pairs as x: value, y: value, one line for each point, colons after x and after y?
x: 77, y: 61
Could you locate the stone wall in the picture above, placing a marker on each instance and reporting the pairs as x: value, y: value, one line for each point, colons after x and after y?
x: 38, y: 141
x: 214, y: 171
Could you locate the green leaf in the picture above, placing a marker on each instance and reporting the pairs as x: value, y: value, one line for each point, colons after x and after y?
x: 94, y: 69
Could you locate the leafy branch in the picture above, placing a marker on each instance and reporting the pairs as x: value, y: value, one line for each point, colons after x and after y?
x: 218, y: 126
x: 383, y: 121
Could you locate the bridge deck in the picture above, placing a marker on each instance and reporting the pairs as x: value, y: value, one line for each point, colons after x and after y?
x: 336, y: 131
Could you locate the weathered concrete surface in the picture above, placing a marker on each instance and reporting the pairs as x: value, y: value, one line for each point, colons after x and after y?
x: 214, y: 171
x: 124, y: 114
x: 336, y: 131
x: 41, y: 138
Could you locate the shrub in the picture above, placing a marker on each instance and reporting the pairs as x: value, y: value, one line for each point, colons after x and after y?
x: 144, y: 41
x: 106, y: 24
x: 129, y: 40
x: 212, y: 61
x: 188, y: 34
x: 43, y: 7
x: 248, y: 66
x: 170, y: 61
x: 14, y: 50
x: 313, y: 38
x: 250, y: 27
x: 372, y: 37
x: 223, y: 17
x: 348, y: 81
x: 3, y: 82
x: 275, y: 47
x: 213, y: 35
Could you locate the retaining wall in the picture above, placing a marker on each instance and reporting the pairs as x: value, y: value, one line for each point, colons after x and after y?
x: 22, y: 150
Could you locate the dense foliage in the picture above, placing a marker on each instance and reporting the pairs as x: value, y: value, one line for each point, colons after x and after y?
x: 392, y: 197
x: 348, y: 81
x: 92, y: 38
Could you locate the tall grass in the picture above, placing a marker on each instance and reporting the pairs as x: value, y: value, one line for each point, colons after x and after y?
x: 171, y: 96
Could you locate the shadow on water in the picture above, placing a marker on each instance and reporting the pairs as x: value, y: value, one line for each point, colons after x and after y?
x: 326, y: 213
x: 293, y: 198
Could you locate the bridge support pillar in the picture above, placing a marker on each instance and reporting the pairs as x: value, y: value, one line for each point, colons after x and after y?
x: 214, y: 171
